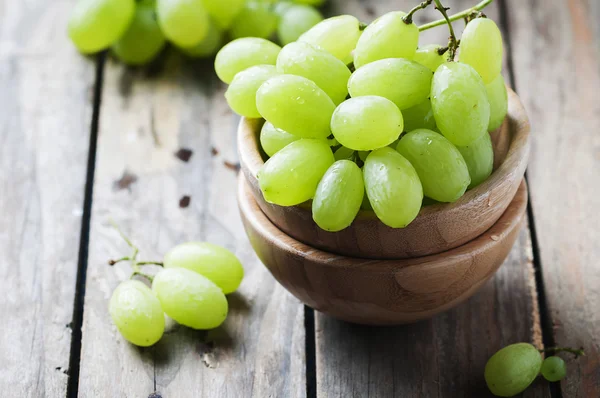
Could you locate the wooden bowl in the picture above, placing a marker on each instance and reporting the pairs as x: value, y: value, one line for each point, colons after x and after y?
x: 380, y: 292
x: 437, y: 228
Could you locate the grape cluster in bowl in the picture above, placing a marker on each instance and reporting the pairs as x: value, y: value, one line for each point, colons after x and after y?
x: 137, y: 31
x: 358, y: 116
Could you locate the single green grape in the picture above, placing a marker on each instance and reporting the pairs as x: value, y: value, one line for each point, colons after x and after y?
x: 404, y: 82
x: 214, y: 262
x: 339, y: 196
x: 94, y: 25
x: 243, y: 53
x: 419, y: 116
x: 223, y: 12
x: 481, y: 47
x: 498, y: 97
x: 366, y: 123
x: 460, y: 104
x: 296, y: 105
x: 336, y: 35
x: 387, y: 37
x: 190, y: 298
x: 143, y: 40
x: 273, y: 140
x: 137, y: 313
x: 241, y: 93
x: 291, y: 176
x: 296, y: 20
x: 554, y: 369
x: 328, y: 72
x: 208, y: 46
x: 512, y: 369
x: 393, y: 187
x: 254, y: 20
x: 429, y: 56
x: 440, y: 166
x: 343, y: 153
x: 184, y: 22
x: 479, y: 156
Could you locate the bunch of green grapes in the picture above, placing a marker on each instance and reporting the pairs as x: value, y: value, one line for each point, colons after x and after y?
x: 190, y: 289
x: 512, y: 369
x: 359, y: 116
x: 137, y: 31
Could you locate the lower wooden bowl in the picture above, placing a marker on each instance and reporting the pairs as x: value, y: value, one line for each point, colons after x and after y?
x: 437, y: 228
x: 381, y: 292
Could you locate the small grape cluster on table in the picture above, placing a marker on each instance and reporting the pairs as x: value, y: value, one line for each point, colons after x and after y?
x: 137, y: 31
x: 359, y: 116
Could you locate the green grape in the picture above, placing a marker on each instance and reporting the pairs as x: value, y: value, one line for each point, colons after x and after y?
x: 243, y: 53
x: 291, y: 176
x: 96, y: 24
x: 498, y: 97
x: 328, y: 72
x: 481, y: 47
x: 419, y: 116
x: 137, y: 313
x: 336, y: 35
x: 280, y: 7
x: 214, y: 262
x: 366, y: 123
x: 387, y: 37
x: 296, y: 105
x: 554, y: 369
x: 254, y: 20
x: 404, y: 82
x: 512, y: 369
x: 223, y: 12
x: 479, y: 156
x: 241, y: 94
x: 393, y: 187
x: 459, y: 101
x: 296, y: 20
x: 208, y: 46
x: 184, y: 22
x: 440, y: 166
x: 315, y: 3
x: 190, y: 298
x: 429, y: 56
x: 143, y: 40
x: 339, y: 196
x: 343, y: 153
x: 273, y: 140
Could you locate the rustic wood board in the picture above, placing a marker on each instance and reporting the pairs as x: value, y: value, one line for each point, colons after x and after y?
x: 444, y: 357
x: 556, y: 60
x: 144, y: 120
x: 46, y: 91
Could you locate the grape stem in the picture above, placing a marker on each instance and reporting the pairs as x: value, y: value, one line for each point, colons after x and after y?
x: 452, y: 42
x: 407, y: 19
x: 149, y: 277
x: 150, y: 263
x: 575, y: 351
x: 457, y: 16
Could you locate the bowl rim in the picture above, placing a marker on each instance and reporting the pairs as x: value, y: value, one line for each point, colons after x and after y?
x: 512, y: 218
x: 251, y: 161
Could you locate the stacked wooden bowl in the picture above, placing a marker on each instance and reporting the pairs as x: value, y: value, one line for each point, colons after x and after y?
x: 373, y: 274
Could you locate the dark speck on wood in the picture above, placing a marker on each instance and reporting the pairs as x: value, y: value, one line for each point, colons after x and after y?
x: 214, y: 151
x: 184, y: 154
x: 184, y: 201
x: 125, y: 181
x: 232, y: 166
x: 155, y: 395
x: 370, y: 11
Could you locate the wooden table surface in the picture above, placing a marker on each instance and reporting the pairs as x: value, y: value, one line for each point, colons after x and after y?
x: 84, y: 140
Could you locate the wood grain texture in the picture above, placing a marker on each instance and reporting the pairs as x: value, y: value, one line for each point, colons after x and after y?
x: 140, y: 182
x: 46, y: 93
x: 380, y: 292
x: 562, y: 95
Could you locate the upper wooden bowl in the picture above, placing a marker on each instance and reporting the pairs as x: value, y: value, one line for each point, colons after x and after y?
x: 437, y: 228
x: 380, y: 292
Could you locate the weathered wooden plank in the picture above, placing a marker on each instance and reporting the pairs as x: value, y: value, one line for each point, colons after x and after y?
x: 46, y: 95
x: 557, y: 68
x: 443, y: 357
x: 144, y: 121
